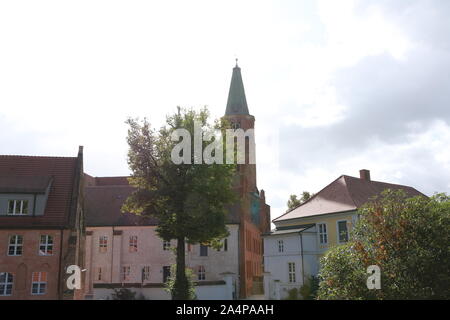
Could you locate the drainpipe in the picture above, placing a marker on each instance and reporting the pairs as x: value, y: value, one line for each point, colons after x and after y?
x: 60, y: 264
x: 301, y: 247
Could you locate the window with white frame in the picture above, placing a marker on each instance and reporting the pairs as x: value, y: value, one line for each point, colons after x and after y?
x: 201, y: 273
x: 145, y: 273
x: 18, y: 207
x: 342, y: 231
x: 15, y: 246
x: 291, y: 271
x: 103, y: 244
x: 280, y: 246
x: 39, y: 283
x: 323, y: 234
x: 166, y: 245
x: 6, y: 283
x: 125, y: 273
x: 46, y: 245
x: 133, y: 244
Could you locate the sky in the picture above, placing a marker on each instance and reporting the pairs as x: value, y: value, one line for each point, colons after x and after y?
x: 335, y: 86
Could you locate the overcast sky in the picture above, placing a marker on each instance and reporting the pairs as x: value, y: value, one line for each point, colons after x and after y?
x: 335, y: 86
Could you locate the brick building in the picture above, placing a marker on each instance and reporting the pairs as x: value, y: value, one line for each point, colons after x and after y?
x: 250, y: 213
x: 41, y: 225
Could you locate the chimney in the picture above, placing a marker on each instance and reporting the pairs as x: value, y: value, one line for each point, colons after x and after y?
x: 364, y: 174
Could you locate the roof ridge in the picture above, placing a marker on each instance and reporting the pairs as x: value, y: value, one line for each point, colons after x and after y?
x: 348, y: 191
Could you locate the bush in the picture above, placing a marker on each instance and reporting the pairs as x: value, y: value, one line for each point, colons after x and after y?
x: 126, y: 294
x: 407, y: 238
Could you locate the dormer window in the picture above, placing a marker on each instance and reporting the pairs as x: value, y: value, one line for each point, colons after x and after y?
x: 17, y: 207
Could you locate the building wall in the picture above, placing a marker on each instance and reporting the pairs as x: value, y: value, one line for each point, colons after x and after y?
x: 330, y: 220
x: 30, y: 261
x: 276, y: 263
x: 149, y: 253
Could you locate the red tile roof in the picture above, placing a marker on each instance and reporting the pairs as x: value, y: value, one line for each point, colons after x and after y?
x: 61, y: 169
x: 343, y: 194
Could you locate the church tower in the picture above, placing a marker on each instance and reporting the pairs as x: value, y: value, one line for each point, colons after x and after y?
x: 251, y: 211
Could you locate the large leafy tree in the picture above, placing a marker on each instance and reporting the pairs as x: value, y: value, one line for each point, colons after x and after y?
x: 294, y: 201
x: 188, y: 200
x: 408, y: 238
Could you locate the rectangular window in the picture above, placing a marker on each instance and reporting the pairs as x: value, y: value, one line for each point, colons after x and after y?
x: 146, y: 273
x: 201, y: 273
x: 133, y: 244
x: 18, y: 207
x: 280, y: 246
x: 323, y: 235
x: 125, y: 273
x: 342, y: 231
x: 99, y: 274
x: 291, y: 271
x: 39, y: 283
x: 166, y: 273
x: 15, y: 245
x: 103, y: 244
x: 6, y: 283
x: 203, y: 250
x: 46, y: 245
x: 166, y: 245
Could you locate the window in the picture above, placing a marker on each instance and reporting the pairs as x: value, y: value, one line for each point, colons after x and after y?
x: 46, y: 245
x: 280, y: 246
x: 146, y: 273
x: 166, y: 245
x: 203, y: 250
x: 125, y: 273
x: 323, y: 236
x: 15, y: 245
x: 39, y: 283
x: 18, y: 207
x: 6, y: 283
x: 133, y: 244
x: 166, y: 273
x: 342, y: 231
x: 291, y: 271
x: 99, y: 274
x: 235, y: 125
x: 103, y: 244
x: 201, y: 273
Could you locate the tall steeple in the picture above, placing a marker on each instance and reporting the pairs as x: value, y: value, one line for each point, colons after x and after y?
x: 237, y: 103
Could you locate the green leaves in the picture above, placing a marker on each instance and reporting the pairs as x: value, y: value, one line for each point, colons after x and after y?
x: 408, y: 238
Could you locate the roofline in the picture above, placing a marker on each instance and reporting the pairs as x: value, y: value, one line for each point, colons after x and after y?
x: 41, y: 157
x: 308, y: 199
x: 305, y: 228
x: 322, y: 214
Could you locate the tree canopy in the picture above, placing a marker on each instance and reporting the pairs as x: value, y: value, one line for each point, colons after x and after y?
x: 188, y: 200
x: 408, y: 238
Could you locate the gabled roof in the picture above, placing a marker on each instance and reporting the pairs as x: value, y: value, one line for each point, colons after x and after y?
x: 346, y: 193
x: 104, y: 200
x: 237, y: 103
x: 32, y: 174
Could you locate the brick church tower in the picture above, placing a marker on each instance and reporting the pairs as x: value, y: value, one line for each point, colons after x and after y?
x: 251, y: 211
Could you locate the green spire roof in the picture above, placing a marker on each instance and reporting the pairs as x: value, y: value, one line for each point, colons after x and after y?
x: 237, y: 103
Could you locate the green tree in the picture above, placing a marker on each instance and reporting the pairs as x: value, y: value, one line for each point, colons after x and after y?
x: 188, y: 200
x: 408, y: 238
x: 294, y: 202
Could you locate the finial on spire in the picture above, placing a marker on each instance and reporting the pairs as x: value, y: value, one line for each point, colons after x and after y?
x: 237, y: 63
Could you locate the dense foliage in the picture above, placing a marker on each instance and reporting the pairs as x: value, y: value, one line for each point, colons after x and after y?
x: 408, y: 238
